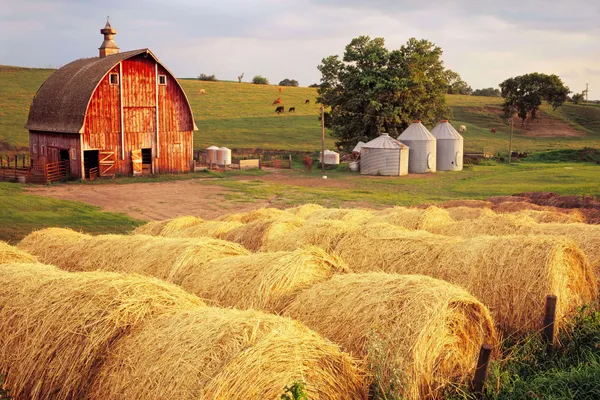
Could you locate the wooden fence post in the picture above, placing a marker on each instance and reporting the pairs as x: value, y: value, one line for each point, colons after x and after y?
x: 549, y: 318
x: 481, y: 370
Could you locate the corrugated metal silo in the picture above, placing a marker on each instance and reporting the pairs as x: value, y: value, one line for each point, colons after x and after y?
x: 422, y: 146
x: 449, y: 147
x: 384, y: 156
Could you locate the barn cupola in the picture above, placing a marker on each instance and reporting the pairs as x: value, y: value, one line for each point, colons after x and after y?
x: 109, y: 46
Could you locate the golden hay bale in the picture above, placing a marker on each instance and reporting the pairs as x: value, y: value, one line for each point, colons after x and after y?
x: 413, y: 218
x: 414, y: 332
x: 511, y: 275
x: 350, y: 215
x: 320, y: 233
x: 169, y: 227
x: 214, y: 229
x: 507, y: 199
x: 570, y: 215
x: 547, y: 217
x: 467, y: 203
x: 255, y: 215
x: 257, y: 235
x: 214, y: 353
x: 462, y: 213
x: 169, y: 259
x: 10, y: 254
x: 152, y: 228
x: 305, y: 210
x: 58, y: 327
x: 265, y: 281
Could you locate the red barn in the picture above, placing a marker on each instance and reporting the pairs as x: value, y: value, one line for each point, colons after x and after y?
x: 119, y: 113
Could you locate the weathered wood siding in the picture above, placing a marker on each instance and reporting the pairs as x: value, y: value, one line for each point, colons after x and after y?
x: 45, y: 148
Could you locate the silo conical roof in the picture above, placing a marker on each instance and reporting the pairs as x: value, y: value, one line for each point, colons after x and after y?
x: 212, y: 148
x: 445, y: 130
x: 384, y: 141
x: 416, y: 131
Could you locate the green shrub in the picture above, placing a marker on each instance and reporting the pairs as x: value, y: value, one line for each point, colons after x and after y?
x: 260, y: 80
x: 205, y: 77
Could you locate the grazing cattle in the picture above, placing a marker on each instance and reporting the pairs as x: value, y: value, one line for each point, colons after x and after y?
x: 292, y: 109
x: 202, y: 91
x: 278, y: 101
x: 279, y: 110
x: 280, y: 90
x: 462, y: 129
x: 308, y: 162
x: 493, y: 130
x: 306, y: 101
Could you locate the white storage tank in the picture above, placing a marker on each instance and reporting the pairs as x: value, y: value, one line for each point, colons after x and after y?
x: 358, y: 146
x: 331, y: 157
x: 422, y: 146
x: 211, y: 154
x: 223, y: 156
x: 384, y: 156
x: 449, y: 147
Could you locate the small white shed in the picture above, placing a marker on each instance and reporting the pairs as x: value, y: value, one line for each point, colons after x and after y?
x: 384, y: 156
x: 422, y: 146
x: 449, y: 147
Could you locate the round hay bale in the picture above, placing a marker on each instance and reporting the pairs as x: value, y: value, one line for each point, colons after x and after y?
x: 258, y: 235
x: 415, y: 333
x: 570, y: 215
x: 255, y: 215
x: 152, y: 228
x: 414, y: 218
x: 215, y: 353
x: 305, y: 210
x: 462, y: 213
x: 507, y: 199
x: 548, y: 217
x: 58, y: 327
x: 467, y: 203
x: 264, y: 281
x: 170, y: 259
x: 169, y: 227
x: 511, y: 275
x: 320, y: 233
x: 214, y: 229
x: 350, y: 215
x: 10, y: 254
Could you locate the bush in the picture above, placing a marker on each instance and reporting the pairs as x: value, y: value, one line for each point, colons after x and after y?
x: 315, y: 85
x: 205, y: 77
x: 260, y: 80
x: 487, y: 92
x: 288, y: 82
x: 577, y: 98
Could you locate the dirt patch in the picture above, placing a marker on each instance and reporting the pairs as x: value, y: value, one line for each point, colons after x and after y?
x: 153, y: 201
x: 541, y: 126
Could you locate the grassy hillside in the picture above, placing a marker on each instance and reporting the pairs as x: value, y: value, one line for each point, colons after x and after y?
x: 241, y: 116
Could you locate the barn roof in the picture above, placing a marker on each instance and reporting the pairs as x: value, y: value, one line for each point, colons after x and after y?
x: 60, y: 104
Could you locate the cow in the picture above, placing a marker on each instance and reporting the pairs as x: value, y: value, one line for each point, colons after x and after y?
x: 278, y: 101
x: 202, y: 91
x: 462, y: 129
x: 280, y: 90
x: 493, y: 130
x: 279, y: 110
x: 306, y: 101
x: 308, y: 162
x: 292, y: 109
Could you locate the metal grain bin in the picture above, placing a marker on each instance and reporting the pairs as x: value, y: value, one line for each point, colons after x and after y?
x: 422, y: 146
x: 449, y: 147
x: 384, y: 156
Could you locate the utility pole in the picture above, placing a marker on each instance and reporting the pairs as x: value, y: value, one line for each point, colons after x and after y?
x: 510, y: 142
x: 322, y: 138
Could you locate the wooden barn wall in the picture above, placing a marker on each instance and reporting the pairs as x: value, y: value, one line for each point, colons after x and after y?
x: 44, y: 148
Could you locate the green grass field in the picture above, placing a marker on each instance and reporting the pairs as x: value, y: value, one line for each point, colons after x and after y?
x: 241, y: 116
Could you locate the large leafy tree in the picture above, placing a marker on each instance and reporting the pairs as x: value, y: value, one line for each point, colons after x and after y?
x: 456, y: 85
x: 372, y: 89
x: 525, y: 94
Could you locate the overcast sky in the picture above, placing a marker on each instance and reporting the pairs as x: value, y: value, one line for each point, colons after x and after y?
x: 485, y: 41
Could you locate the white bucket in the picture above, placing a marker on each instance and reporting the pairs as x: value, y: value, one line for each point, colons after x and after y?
x: 353, y: 166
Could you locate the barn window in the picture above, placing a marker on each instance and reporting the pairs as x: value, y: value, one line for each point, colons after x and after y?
x: 114, y: 79
x: 162, y: 79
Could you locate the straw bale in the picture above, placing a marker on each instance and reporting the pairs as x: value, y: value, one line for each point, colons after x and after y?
x: 214, y: 229
x: 258, y: 235
x: 414, y: 218
x: 10, y: 254
x: 214, y: 353
x: 414, y: 332
x: 351, y: 215
x: 169, y: 227
x: 507, y: 199
x: 467, y: 203
x: 305, y: 210
x: 265, y: 281
x: 462, y: 213
x: 547, y: 217
x: 169, y: 259
x: 511, y: 275
x: 58, y: 327
x: 152, y: 228
x: 320, y: 233
x: 255, y: 215
x: 572, y: 215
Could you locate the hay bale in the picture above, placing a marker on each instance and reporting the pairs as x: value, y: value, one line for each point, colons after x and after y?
x: 264, y: 281
x: 58, y: 327
x: 214, y: 229
x: 258, y: 235
x: 255, y: 215
x: 169, y: 259
x: 415, y: 333
x: 467, y: 203
x: 226, y: 354
x: 10, y: 254
x: 548, y: 216
x: 463, y: 213
x: 507, y: 199
x: 305, y: 210
x: 169, y: 227
x: 152, y: 228
x: 320, y: 233
x: 350, y: 215
x: 511, y: 275
x: 413, y: 218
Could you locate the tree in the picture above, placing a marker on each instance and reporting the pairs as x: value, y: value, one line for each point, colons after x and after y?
x: 206, y: 77
x: 314, y: 85
x: 240, y: 78
x: 260, y: 80
x: 526, y: 93
x: 487, y: 92
x: 373, y: 90
x: 455, y: 83
x: 578, y: 98
x: 288, y: 82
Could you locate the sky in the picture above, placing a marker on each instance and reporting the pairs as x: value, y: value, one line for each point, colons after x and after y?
x: 484, y: 41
